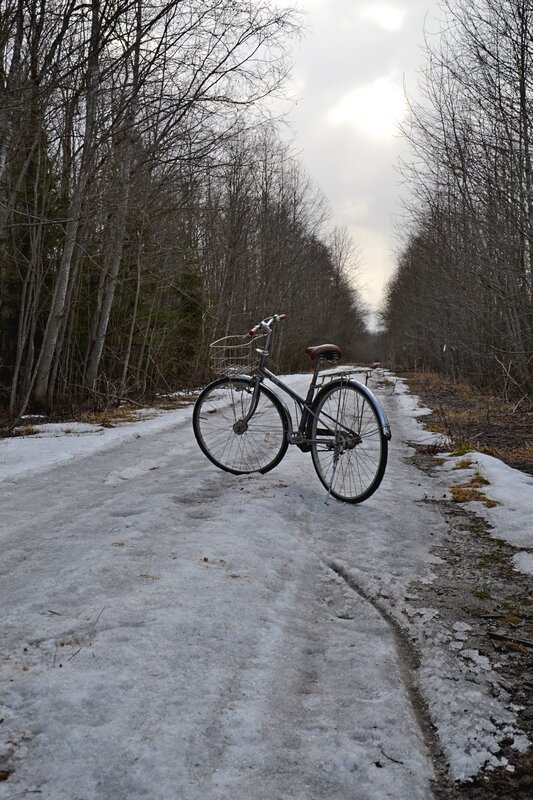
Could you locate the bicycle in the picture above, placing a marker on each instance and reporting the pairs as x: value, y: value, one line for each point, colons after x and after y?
x: 243, y: 426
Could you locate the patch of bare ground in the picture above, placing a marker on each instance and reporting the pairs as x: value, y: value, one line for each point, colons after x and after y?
x: 477, y: 419
x: 475, y: 583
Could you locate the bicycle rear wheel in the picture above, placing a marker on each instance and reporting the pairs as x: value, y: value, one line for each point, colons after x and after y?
x: 351, y: 457
x: 257, y: 446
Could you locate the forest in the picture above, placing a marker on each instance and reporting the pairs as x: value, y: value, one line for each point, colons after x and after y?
x: 461, y: 300
x: 148, y: 203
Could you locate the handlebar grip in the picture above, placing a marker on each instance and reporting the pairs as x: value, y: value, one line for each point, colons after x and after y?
x: 266, y: 323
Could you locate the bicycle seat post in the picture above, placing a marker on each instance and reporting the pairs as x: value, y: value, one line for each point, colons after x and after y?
x: 309, y: 397
x: 312, y: 385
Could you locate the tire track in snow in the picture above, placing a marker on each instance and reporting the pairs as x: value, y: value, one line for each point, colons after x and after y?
x: 408, y: 661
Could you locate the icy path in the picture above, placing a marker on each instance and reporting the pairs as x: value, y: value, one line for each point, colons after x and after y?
x: 174, y: 632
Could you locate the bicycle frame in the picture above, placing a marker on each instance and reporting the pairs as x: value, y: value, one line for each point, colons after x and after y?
x: 299, y: 437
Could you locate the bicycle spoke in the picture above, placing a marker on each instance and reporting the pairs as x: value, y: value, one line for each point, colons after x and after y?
x: 257, y: 447
x: 351, y: 462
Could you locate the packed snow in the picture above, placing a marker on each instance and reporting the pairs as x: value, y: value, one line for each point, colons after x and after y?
x: 523, y: 562
x: 171, y: 630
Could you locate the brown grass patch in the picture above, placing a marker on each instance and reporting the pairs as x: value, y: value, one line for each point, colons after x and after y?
x: 466, y: 494
x: 175, y: 401
x: 477, y: 480
x: 110, y: 417
x: 465, y: 463
x: 476, y: 420
x: 27, y: 430
x: 521, y: 453
x: 517, y: 647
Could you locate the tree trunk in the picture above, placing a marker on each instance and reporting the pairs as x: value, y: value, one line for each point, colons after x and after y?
x: 58, y: 308
x: 126, y: 146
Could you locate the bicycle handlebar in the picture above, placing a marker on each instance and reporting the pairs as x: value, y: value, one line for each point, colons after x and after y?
x: 266, y: 323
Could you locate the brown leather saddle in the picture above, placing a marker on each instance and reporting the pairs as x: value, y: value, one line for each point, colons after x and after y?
x: 327, y: 352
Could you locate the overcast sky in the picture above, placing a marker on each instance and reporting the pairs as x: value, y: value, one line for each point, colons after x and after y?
x: 349, y: 73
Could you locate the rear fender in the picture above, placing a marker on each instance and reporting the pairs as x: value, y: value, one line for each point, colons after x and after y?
x: 370, y: 396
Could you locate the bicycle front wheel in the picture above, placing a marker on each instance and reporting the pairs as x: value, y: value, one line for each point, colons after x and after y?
x: 348, y: 447
x: 255, y: 446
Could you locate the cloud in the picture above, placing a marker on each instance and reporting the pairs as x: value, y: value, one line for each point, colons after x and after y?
x: 388, y: 17
x: 353, y: 61
x: 378, y: 262
x: 374, y: 109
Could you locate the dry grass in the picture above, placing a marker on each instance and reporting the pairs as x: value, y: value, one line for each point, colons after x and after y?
x: 174, y: 401
x: 464, y: 494
x: 469, y: 491
x: 436, y: 382
x: 517, y: 647
x: 464, y: 463
x: 110, y: 417
x: 476, y: 420
x: 522, y: 453
x: 26, y: 430
x: 477, y: 481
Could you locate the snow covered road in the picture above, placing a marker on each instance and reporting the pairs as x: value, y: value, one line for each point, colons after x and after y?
x: 173, y: 631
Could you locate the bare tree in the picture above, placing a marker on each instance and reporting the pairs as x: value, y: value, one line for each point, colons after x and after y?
x: 462, y: 297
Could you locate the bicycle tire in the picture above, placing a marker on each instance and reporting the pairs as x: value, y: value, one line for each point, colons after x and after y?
x: 220, y: 406
x: 359, y: 468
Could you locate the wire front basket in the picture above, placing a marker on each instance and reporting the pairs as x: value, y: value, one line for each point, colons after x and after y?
x: 236, y: 355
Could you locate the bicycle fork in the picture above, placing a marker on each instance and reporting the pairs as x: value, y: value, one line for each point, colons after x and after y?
x: 240, y: 426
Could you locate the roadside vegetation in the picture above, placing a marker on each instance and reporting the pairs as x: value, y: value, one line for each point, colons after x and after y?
x: 475, y: 420
x: 461, y: 301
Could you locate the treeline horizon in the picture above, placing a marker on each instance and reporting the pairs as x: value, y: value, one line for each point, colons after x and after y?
x: 146, y: 206
x: 461, y: 300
